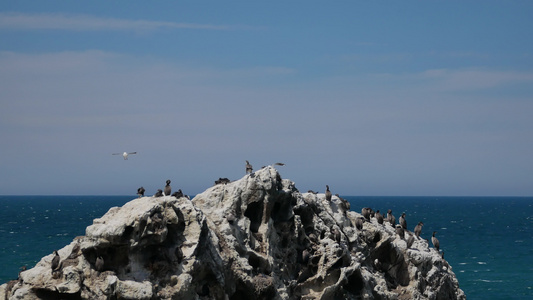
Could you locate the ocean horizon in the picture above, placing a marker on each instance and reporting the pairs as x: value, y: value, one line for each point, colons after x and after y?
x: 486, y: 240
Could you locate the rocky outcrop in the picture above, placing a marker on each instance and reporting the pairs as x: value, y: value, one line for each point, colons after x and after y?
x: 254, y: 238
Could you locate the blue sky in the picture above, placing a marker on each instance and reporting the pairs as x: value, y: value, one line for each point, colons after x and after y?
x: 372, y: 98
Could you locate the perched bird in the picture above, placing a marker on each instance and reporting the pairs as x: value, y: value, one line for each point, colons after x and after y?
x: 435, y: 241
x: 140, y: 192
x: 249, y: 168
x: 418, y: 229
x: 55, y: 262
x: 410, y: 239
x: 178, y: 194
x: 366, y: 213
x: 168, y: 189
x: 222, y: 181
x: 403, y: 222
x: 328, y: 193
x: 359, y: 223
x: 379, y: 217
x: 159, y: 193
x: 99, y: 264
x: 125, y: 154
x: 400, y: 231
x: 390, y: 218
x: 345, y: 205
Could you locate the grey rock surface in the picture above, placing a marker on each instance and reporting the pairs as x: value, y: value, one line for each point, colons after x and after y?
x: 254, y: 238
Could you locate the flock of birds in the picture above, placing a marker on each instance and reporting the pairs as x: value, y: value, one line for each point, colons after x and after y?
x: 167, y: 191
x: 367, y: 212
x: 401, y: 227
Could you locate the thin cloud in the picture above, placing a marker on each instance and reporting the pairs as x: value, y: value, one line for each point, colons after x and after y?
x: 20, y: 21
x: 475, y: 79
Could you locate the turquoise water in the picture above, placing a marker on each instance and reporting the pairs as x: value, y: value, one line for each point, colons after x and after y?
x: 487, y: 240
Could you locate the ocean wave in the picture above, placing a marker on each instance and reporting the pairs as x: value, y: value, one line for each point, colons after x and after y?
x: 487, y: 280
x: 481, y: 263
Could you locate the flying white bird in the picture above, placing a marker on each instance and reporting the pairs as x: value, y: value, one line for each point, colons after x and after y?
x: 125, y: 154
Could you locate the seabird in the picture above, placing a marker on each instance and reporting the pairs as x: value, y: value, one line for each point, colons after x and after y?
x: 222, y: 181
x: 279, y: 164
x: 328, y: 193
x: 410, y: 239
x: 140, y: 192
x: 390, y: 218
x: 359, y: 223
x: 435, y: 241
x: 159, y: 193
x: 99, y: 264
x: 178, y: 194
x: 379, y: 217
x: 418, y: 229
x: 168, y: 189
x: 344, y: 203
x: 366, y: 213
x: 55, y: 262
x: 403, y: 222
x: 336, y: 234
x: 125, y: 154
x: 400, y: 231
x: 249, y: 168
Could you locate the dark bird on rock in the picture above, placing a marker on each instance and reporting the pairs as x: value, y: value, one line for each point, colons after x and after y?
x: 403, y: 222
x: 359, y: 223
x: 55, y: 262
x: 168, y: 189
x: 140, y: 192
x: 435, y: 241
x: 410, y: 239
x: 99, y: 264
x: 379, y: 217
x: 365, y: 211
x: 159, y: 193
x: 249, y: 168
x: 390, y: 218
x: 125, y: 154
x: 178, y: 194
x: 222, y: 181
x: 328, y: 193
x: 400, y: 231
x: 418, y: 229
x: 344, y: 203
x: 336, y: 234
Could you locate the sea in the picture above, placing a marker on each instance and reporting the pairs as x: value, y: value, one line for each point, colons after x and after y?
x: 488, y: 241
